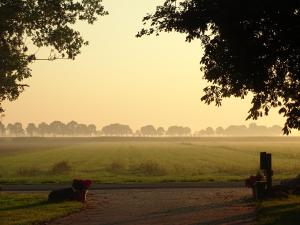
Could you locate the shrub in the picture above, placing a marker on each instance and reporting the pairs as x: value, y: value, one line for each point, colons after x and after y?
x: 28, y: 171
x: 61, y: 167
x: 2, y: 171
x: 151, y: 168
x: 116, y: 167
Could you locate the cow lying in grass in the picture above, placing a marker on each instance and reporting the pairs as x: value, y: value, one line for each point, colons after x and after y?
x: 77, y: 192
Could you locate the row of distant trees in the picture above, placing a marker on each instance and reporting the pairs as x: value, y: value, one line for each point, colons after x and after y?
x: 146, y: 131
x: 251, y: 130
x: 58, y: 128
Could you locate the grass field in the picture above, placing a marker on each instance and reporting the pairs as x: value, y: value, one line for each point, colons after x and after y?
x: 127, y: 160
x: 279, y: 212
x: 29, y: 209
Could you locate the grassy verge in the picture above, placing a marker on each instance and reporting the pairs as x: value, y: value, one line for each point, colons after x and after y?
x: 279, y: 212
x: 29, y: 209
x: 117, y: 179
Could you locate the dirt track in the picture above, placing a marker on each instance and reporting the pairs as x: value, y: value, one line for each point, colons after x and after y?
x: 184, y: 206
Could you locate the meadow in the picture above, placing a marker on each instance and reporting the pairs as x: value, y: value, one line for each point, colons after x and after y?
x: 29, y: 209
x: 130, y: 160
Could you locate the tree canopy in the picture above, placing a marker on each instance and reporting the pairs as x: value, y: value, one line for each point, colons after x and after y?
x: 39, y: 23
x: 249, y: 47
x: 117, y: 129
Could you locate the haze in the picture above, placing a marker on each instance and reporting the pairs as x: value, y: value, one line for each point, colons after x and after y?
x: 119, y: 78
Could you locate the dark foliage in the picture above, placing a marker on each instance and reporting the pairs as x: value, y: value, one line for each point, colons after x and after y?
x: 39, y: 23
x: 250, y: 47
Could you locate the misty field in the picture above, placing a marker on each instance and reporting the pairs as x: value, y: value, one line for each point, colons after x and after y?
x: 127, y: 160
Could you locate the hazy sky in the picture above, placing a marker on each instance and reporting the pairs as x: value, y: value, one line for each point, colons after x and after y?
x: 119, y: 78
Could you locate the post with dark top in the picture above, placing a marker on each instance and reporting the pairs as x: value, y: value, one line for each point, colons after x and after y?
x: 269, y: 171
x: 263, y: 160
x: 266, y: 166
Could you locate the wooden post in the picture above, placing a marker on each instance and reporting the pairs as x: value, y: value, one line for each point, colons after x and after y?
x: 263, y: 160
x: 269, y: 171
x: 266, y: 167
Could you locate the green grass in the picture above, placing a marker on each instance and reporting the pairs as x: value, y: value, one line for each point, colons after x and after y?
x: 29, y: 209
x: 279, y: 212
x: 127, y: 160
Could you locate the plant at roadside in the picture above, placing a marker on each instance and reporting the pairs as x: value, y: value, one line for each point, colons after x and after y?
x: 251, y: 181
x: 151, y: 168
x: 61, y: 167
x: 28, y: 171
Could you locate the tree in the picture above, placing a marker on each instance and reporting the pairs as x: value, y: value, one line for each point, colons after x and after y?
x: 19, y: 131
x: 43, y: 129
x: 235, y: 130
x: 148, y: 130
x: 31, y: 129
x: 250, y: 47
x: 42, y: 23
x: 92, y: 129
x: 10, y: 129
x: 178, y: 131
x: 82, y: 130
x: 220, y: 131
x: 252, y: 130
x: 15, y: 129
x: 209, y: 131
x: 255, y: 130
x: 275, y: 130
x: 2, y: 129
x: 117, y: 130
x: 160, y: 131
x: 71, y: 128
x: 57, y: 128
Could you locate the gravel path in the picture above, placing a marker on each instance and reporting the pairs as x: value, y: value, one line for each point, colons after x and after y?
x: 196, y: 206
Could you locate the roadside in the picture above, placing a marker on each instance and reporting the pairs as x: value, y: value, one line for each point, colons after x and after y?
x: 279, y: 211
x: 186, y: 185
x: 32, y: 208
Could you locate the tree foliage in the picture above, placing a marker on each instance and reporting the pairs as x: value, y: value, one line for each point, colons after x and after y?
x: 148, y: 130
x: 178, y: 131
x: 249, y: 47
x: 2, y: 129
x: 117, y: 129
x: 74, y: 129
x: 39, y: 23
x: 31, y: 129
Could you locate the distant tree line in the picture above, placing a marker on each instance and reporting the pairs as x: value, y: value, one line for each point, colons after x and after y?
x: 73, y: 129
x: 242, y: 130
x: 56, y: 128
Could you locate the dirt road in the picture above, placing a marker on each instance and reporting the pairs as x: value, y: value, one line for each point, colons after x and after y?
x: 184, y: 206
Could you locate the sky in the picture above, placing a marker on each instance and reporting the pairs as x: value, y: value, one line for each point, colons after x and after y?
x: 119, y: 78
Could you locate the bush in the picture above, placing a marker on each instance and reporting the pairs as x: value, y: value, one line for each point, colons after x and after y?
x: 116, y: 167
x: 2, y: 172
x: 61, y: 167
x: 28, y: 171
x: 151, y: 168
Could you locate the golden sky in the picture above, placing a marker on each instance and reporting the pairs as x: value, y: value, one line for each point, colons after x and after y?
x: 119, y: 78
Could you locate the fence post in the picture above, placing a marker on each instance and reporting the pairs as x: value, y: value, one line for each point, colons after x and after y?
x: 263, y: 160
x: 269, y: 171
x: 266, y: 166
